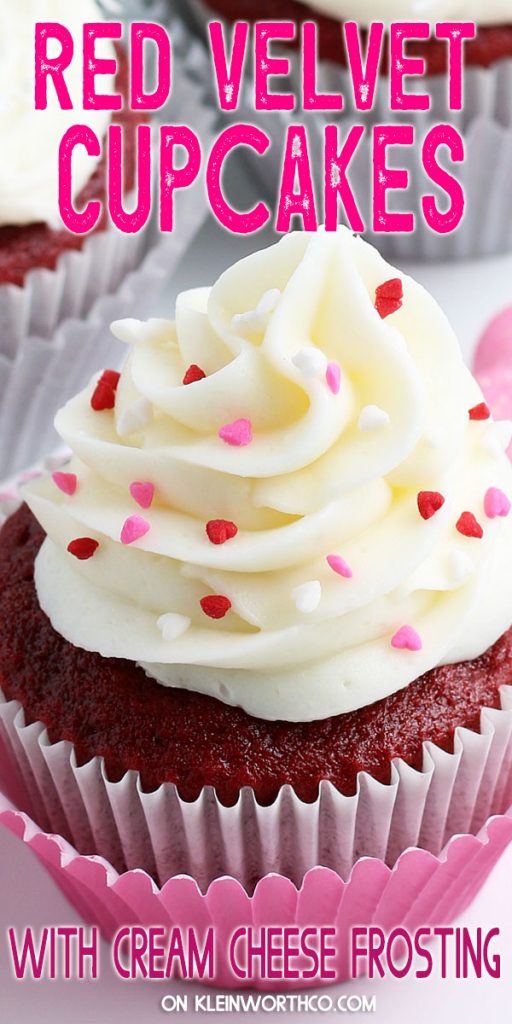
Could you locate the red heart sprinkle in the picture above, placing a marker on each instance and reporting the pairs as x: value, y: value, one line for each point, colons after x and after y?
x: 193, y: 373
x: 216, y: 606
x: 104, y: 394
x: 221, y: 530
x: 83, y: 547
x: 480, y: 412
x: 469, y: 526
x: 429, y: 502
x: 111, y: 377
x: 388, y: 297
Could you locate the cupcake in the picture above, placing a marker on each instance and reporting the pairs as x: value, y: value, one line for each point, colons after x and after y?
x: 33, y: 239
x: 58, y: 290
x: 485, y: 121
x: 269, y: 599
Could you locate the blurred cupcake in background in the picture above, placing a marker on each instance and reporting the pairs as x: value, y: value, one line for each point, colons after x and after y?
x: 485, y: 121
x: 60, y: 290
x: 39, y: 285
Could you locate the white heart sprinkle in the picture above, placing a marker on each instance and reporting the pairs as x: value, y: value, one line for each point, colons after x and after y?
x: 57, y: 460
x: 172, y: 625
x: 257, y: 319
x: 138, y: 332
x: 268, y: 302
x: 310, y: 361
x: 372, y: 418
x: 460, y: 565
x: 135, y: 417
x: 307, y: 596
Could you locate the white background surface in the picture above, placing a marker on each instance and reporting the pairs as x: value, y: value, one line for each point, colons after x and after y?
x: 470, y: 294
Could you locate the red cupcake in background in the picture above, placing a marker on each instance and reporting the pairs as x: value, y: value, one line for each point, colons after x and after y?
x: 485, y: 121
x: 32, y: 236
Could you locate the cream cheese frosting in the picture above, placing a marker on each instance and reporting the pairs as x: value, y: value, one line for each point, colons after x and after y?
x: 312, y: 426
x: 495, y: 12
x: 30, y: 137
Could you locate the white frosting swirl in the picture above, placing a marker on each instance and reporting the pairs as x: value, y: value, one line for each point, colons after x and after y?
x: 326, y: 473
x: 30, y: 137
x: 494, y: 12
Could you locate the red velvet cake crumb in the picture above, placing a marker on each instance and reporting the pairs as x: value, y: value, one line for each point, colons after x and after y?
x: 110, y: 707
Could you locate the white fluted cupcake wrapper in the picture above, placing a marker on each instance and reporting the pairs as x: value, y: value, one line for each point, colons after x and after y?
x: 453, y: 794
x: 165, y: 835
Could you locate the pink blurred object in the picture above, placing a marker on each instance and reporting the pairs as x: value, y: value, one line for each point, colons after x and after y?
x: 493, y: 366
x: 495, y: 345
x: 420, y: 890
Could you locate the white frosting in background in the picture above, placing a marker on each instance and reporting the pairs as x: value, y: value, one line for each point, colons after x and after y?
x: 30, y: 137
x: 492, y: 12
x: 301, y: 641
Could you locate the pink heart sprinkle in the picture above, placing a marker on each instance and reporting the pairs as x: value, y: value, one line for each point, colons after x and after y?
x: 339, y: 565
x: 333, y: 377
x: 133, y: 528
x: 238, y: 433
x: 406, y: 639
x: 66, y: 482
x: 496, y: 503
x: 143, y: 492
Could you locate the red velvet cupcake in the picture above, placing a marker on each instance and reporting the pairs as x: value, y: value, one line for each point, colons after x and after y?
x: 41, y: 282
x: 274, y: 600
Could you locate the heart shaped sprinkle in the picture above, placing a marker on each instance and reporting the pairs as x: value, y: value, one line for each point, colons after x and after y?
x: 429, y: 502
x: 238, y: 434
x: 388, y: 297
x: 333, y: 377
x: 143, y: 492
x: 193, y: 373
x: 406, y: 639
x: 339, y: 565
x: 310, y: 361
x: 83, y: 547
x: 372, y: 418
x: 496, y: 503
x: 104, y: 394
x: 480, y: 412
x: 469, y: 526
x: 133, y: 529
x: 306, y: 596
x: 66, y: 482
x: 172, y: 625
x: 220, y: 530
x: 215, y: 606
x: 137, y: 416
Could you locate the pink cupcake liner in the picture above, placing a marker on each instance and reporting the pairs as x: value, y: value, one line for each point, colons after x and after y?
x: 420, y: 890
